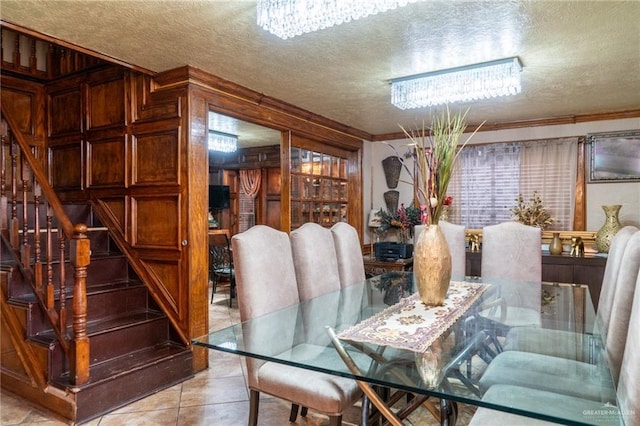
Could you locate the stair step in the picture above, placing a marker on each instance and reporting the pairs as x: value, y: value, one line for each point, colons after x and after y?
x: 118, y: 335
x: 115, y: 367
x: 103, y: 271
x: 121, y: 381
x: 132, y: 353
x: 104, y: 301
x: 100, y: 242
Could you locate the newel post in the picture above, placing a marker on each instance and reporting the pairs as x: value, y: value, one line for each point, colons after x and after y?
x: 80, y: 252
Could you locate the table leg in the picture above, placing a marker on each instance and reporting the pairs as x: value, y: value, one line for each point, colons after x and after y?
x: 366, y: 388
x: 448, y: 412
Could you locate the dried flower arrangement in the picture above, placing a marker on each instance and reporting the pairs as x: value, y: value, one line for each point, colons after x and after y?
x: 532, y: 213
x: 403, y: 220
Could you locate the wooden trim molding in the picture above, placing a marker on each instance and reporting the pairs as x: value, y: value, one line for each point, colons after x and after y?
x: 238, y: 97
x: 550, y: 121
x: 580, y: 211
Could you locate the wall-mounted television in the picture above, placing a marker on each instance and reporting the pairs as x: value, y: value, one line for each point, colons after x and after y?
x: 218, y: 197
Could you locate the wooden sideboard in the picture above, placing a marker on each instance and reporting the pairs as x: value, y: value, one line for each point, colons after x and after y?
x: 588, y: 270
x: 373, y: 267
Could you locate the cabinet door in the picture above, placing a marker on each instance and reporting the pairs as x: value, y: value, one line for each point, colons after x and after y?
x: 557, y: 273
x: 319, y: 186
x: 591, y: 276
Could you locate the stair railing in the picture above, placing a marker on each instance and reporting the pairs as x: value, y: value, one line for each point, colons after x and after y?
x: 24, y: 184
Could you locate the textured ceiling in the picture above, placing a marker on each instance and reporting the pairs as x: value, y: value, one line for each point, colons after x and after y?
x: 579, y: 57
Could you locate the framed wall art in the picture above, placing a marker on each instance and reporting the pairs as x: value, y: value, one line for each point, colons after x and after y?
x: 614, y: 156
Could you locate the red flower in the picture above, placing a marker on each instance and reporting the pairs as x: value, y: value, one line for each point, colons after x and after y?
x: 448, y: 200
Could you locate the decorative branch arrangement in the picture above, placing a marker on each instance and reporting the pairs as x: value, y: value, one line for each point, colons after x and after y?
x: 532, y: 213
x: 435, y: 151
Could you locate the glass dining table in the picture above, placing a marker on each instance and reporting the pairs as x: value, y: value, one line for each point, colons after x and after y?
x: 379, y: 333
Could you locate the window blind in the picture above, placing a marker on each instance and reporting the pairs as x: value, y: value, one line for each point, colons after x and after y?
x: 488, y: 178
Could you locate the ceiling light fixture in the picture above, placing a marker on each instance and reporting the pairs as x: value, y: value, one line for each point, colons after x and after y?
x: 289, y: 18
x: 222, y: 142
x: 462, y: 84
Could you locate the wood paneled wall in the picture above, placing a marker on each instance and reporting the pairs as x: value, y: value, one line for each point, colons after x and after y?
x: 114, y: 138
x: 135, y: 145
x: 25, y: 100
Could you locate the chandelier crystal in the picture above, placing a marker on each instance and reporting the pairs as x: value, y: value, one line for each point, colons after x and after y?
x: 462, y: 84
x: 222, y: 142
x: 289, y: 18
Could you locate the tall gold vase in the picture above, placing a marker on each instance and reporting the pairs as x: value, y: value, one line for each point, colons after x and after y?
x: 432, y: 266
x: 609, y: 229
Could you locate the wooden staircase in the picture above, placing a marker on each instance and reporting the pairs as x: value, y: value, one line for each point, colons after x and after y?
x: 61, y: 313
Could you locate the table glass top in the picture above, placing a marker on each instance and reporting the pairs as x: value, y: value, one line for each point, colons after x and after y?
x: 299, y: 336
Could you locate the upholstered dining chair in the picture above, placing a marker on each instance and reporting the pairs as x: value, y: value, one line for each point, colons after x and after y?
x: 627, y: 394
x: 456, y: 239
x: 351, y: 272
x: 266, y: 282
x: 221, y: 262
x: 348, y: 254
x: 314, y: 257
x: 550, y: 373
x: 316, y: 266
x: 566, y: 344
x: 513, y: 251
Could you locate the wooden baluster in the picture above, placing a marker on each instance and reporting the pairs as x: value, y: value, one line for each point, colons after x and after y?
x: 63, y: 61
x: 49, y: 294
x: 69, y: 61
x: 25, y: 250
x: 4, y: 205
x: 76, y: 61
x: 13, y: 230
x: 33, y: 59
x: 37, y: 248
x: 16, y: 51
x: 80, y: 251
x: 51, y: 54
x: 63, y: 284
x: 2, y: 46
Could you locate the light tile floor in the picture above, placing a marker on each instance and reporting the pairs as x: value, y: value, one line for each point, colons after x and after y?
x: 217, y: 396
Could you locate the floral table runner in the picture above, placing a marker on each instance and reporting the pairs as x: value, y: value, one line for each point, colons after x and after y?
x: 410, y: 324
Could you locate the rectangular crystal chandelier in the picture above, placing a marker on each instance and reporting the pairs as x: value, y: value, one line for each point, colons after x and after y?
x: 463, y: 84
x: 222, y: 142
x: 289, y: 18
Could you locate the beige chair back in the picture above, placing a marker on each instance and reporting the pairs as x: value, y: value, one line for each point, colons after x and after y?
x: 511, y: 250
x: 348, y: 254
x: 612, y: 268
x: 351, y: 271
x: 314, y: 257
x: 265, y: 282
x: 455, y: 235
x: 616, y: 335
x: 629, y: 380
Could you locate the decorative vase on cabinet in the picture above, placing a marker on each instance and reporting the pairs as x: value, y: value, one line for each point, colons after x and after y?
x: 555, y: 247
x: 610, y: 227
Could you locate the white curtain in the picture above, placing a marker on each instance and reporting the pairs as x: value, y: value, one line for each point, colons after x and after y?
x: 549, y: 167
